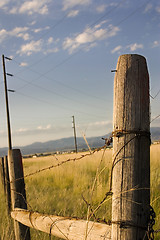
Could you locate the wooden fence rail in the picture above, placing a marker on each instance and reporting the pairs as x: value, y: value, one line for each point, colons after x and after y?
x: 63, y: 227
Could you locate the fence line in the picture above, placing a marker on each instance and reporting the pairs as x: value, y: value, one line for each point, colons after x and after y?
x: 132, y: 215
x: 61, y: 163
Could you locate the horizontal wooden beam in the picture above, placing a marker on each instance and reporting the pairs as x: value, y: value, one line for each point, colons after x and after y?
x: 63, y: 227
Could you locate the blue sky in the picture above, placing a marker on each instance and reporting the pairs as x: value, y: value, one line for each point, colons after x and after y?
x: 63, y: 52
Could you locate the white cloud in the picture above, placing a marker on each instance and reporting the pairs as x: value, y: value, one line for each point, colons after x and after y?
x: 148, y: 8
x: 29, y: 48
x: 3, y: 3
x: 3, y: 35
x: 67, y: 4
x: 25, y: 36
x: 156, y: 44
x: 23, y: 64
x: 33, y: 23
x: 50, y: 40
x: 20, y: 32
x: 135, y: 46
x: 37, y: 30
x: 101, y: 8
x: 100, y: 123
x: 100, y: 24
x: 73, y: 13
x: 38, y: 46
x: 116, y: 49
x: 21, y: 130
x: 44, y: 128
x: 51, y: 50
x: 90, y: 35
x: 31, y: 7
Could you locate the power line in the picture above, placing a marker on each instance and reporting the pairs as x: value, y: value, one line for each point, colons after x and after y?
x: 56, y: 93
x: 50, y: 29
x: 55, y: 105
x: 60, y: 83
x: 64, y: 17
x: 70, y: 57
x: 155, y: 118
x: 155, y: 95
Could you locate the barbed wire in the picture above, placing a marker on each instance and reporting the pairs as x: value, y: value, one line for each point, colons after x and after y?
x: 108, y: 195
x: 61, y: 163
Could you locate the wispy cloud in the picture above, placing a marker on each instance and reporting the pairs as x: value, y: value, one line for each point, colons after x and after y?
x: 99, y: 123
x: 101, y: 8
x: 3, y: 3
x: 31, y: 7
x: 51, y: 50
x: 20, y: 32
x: 50, y: 40
x: 156, y: 44
x: 67, y: 4
x: 23, y: 64
x: 29, y: 48
x: 132, y: 47
x: 116, y: 49
x: 135, y: 46
x: 22, y: 130
x: 48, y: 46
x: 37, y: 30
x: 73, y: 13
x: 44, y: 128
x: 89, y: 37
x: 148, y: 8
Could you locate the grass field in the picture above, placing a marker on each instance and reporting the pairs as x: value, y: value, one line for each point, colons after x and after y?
x: 62, y: 190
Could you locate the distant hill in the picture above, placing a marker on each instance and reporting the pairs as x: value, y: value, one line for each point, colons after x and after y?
x: 63, y: 144
x: 67, y: 144
x: 155, y: 133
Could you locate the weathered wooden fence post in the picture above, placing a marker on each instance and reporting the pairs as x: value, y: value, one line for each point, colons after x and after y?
x: 131, y: 149
x: 2, y: 173
x: 18, y: 194
x: 7, y: 180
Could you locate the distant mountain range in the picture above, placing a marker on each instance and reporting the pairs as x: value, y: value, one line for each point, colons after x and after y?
x: 67, y: 144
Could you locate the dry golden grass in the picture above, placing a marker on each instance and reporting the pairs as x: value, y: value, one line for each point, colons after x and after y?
x: 59, y: 190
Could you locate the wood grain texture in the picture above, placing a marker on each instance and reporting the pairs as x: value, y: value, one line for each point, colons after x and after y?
x: 18, y: 193
x: 131, y: 173
x: 63, y: 227
x: 7, y: 180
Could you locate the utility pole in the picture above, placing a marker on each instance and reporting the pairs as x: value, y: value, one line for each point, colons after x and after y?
x: 7, y: 105
x: 74, y: 129
x: 15, y: 167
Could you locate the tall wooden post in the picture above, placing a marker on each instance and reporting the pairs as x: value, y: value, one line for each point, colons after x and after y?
x: 8, y: 192
x: 131, y: 149
x: 18, y: 194
x: 2, y: 174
